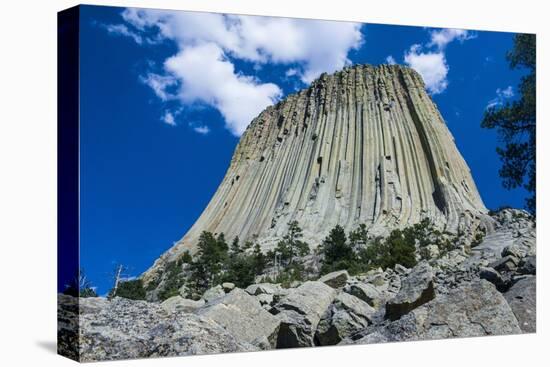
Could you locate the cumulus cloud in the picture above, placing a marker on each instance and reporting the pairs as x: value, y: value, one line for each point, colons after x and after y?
x: 431, y: 65
x: 207, y: 77
x: 430, y: 61
x: 502, y: 96
x: 203, y: 71
x: 441, y: 38
x: 390, y: 60
x: 321, y: 46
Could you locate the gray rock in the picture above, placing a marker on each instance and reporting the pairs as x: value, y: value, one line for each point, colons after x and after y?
x: 263, y: 288
x: 213, y: 293
x: 400, y: 269
x: 336, y: 279
x: 183, y: 291
x: 507, y: 263
x: 347, y: 315
x: 228, y: 287
x: 365, y: 292
x: 493, y: 276
x: 528, y: 265
x: 180, y: 304
x: 512, y: 250
x: 472, y: 309
x: 300, y: 312
x: 416, y: 289
x: 265, y: 299
x: 241, y: 315
x: 522, y: 298
x: 125, y: 329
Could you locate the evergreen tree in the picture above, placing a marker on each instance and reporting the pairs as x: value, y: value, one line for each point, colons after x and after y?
x: 515, y: 122
x: 291, y: 245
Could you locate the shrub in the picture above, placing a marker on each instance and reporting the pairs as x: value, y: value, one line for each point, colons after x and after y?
x: 338, y: 253
x: 173, y: 280
x: 131, y: 289
x: 291, y: 245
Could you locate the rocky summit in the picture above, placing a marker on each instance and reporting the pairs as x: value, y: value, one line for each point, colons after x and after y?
x: 359, y: 222
x: 365, y: 145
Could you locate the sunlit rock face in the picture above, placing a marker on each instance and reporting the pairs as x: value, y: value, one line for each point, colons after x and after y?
x: 365, y: 145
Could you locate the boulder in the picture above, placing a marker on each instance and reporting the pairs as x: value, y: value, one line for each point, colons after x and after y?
x: 265, y: 299
x: 345, y: 316
x: 213, y: 293
x: 124, y: 329
x: 528, y: 265
x: 522, y: 298
x: 183, y: 291
x: 400, y: 269
x: 512, y: 250
x: 241, y: 315
x: 263, y: 288
x: 416, y: 289
x: 300, y: 312
x: 507, y: 263
x: 228, y: 287
x: 180, y: 304
x: 366, y: 292
x: 472, y: 309
x: 336, y: 279
x: 493, y: 276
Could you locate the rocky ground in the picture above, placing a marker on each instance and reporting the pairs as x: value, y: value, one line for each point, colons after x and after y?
x: 486, y: 290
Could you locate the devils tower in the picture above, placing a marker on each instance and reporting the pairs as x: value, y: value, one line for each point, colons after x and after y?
x: 365, y: 145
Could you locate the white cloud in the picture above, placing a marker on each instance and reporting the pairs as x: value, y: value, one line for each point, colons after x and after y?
x: 432, y: 66
x: 122, y: 30
x: 291, y: 72
x: 168, y: 118
x: 502, y: 95
x: 202, y: 69
x: 390, y: 60
x: 160, y: 85
x: 430, y: 61
x: 507, y: 92
x: 441, y: 38
x: 203, y: 129
x: 322, y: 46
x: 208, y: 77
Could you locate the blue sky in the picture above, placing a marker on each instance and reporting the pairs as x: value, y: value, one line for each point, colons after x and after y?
x: 165, y: 96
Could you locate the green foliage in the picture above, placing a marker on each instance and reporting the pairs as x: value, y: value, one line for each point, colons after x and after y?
x: 243, y: 265
x: 359, y: 253
x: 212, y: 255
x: 216, y: 263
x: 185, y: 258
x: 291, y: 245
x: 398, y: 248
x: 478, y: 238
x: 515, y: 122
x: 173, y: 280
x: 88, y: 292
x: 338, y: 253
x: 131, y: 289
x: 291, y: 273
x: 80, y: 286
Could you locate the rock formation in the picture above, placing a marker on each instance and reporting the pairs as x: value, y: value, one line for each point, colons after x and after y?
x: 362, y: 146
x: 446, y: 298
x: 365, y: 145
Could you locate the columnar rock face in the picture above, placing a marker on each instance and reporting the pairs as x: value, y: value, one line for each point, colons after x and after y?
x: 365, y: 145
